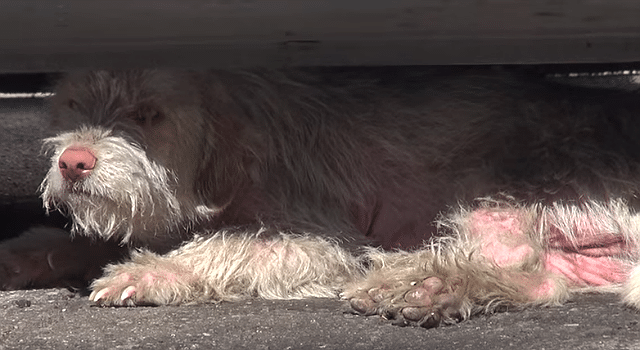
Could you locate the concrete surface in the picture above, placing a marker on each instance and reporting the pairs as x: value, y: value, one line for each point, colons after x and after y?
x: 23, y: 124
x: 59, y: 319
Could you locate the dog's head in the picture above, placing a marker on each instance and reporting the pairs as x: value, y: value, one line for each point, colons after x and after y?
x: 128, y: 161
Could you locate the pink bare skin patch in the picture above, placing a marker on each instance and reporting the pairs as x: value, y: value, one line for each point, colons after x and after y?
x: 587, y: 259
x: 588, y: 239
x: 543, y: 289
x: 584, y: 270
x: 503, y: 240
x: 590, y: 257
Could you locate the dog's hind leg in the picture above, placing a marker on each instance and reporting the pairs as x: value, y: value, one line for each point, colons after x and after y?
x: 505, y: 254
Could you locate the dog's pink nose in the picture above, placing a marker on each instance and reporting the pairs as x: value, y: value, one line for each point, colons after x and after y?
x: 76, y: 163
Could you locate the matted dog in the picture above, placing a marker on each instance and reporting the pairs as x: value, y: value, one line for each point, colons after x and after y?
x: 424, y: 197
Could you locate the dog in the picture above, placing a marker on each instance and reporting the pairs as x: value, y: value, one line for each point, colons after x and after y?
x: 423, y: 196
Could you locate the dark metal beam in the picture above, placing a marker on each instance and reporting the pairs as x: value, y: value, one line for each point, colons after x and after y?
x: 55, y: 35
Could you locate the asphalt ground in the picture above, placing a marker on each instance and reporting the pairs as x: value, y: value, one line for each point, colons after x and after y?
x: 60, y: 319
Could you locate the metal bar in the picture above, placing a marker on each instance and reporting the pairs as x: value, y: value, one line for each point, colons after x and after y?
x: 56, y: 35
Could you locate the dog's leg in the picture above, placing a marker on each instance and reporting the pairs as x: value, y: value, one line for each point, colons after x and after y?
x: 445, y: 284
x: 47, y: 257
x: 512, y: 255
x: 631, y: 289
x: 228, y: 267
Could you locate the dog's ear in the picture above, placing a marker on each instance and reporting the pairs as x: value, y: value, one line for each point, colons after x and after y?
x: 228, y: 149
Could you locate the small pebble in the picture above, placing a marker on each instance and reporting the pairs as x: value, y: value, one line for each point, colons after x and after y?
x: 23, y: 303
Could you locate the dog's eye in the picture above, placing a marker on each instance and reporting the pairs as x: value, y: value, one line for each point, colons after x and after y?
x: 146, y: 116
x: 138, y: 118
x: 72, y: 104
x: 156, y: 116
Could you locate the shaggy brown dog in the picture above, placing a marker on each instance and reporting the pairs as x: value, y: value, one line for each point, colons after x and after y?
x: 272, y: 184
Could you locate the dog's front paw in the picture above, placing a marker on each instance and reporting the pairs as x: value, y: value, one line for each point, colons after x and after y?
x: 156, y: 281
x: 426, y: 303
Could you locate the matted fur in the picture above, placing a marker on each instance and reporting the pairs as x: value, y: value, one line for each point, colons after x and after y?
x: 482, y: 283
x: 279, y: 185
x: 121, y: 190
